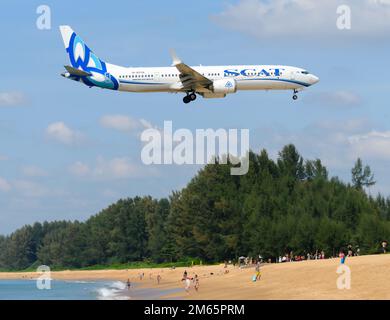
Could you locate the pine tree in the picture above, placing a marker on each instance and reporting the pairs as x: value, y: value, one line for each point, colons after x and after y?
x: 362, y: 177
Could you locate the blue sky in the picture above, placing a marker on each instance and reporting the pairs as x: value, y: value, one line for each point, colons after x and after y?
x: 47, y: 176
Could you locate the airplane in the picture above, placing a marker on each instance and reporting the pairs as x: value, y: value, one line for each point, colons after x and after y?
x: 207, y: 81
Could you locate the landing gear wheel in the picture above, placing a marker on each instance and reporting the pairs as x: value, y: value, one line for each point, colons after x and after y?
x: 187, y: 99
x: 192, y: 96
x: 295, y: 97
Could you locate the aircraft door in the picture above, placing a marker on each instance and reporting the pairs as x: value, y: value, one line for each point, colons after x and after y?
x: 293, y: 75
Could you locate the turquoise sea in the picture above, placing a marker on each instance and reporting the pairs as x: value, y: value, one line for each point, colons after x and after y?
x: 77, y: 290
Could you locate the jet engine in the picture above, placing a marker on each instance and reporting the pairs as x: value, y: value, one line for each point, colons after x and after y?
x: 224, y: 86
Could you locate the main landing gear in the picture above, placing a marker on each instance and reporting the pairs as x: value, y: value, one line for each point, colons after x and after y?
x: 295, y: 97
x: 189, y: 97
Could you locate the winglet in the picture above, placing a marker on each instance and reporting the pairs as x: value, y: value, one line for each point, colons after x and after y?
x: 175, y: 58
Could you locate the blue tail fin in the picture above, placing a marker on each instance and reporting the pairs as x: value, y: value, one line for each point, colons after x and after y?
x: 82, y: 57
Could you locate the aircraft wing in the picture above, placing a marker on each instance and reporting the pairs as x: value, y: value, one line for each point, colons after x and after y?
x: 190, y: 78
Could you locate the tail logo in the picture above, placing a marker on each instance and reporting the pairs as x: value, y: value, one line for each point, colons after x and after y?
x: 81, y: 57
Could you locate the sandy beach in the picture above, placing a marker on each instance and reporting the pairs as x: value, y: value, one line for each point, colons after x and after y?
x: 315, y: 279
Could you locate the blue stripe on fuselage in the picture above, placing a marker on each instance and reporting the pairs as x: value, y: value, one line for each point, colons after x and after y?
x: 135, y: 82
x: 271, y: 79
x: 276, y: 79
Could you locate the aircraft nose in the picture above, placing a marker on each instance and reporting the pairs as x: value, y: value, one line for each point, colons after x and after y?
x: 314, y: 79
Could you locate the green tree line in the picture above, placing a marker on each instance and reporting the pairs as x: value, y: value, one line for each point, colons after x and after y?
x: 290, y: 204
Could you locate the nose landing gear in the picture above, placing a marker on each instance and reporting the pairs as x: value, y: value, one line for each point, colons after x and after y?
x: 295, y: 97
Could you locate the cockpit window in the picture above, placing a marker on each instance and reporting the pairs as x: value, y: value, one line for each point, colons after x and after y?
x: 305, y: 72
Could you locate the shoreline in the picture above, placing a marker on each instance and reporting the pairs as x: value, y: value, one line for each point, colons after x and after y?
x: 169, y: 284
x: 313, y: 279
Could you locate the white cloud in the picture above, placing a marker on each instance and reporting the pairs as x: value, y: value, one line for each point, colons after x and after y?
x: 108, y: 193
x: 327, y: 140
x: 115, y: 168
x: 305, y: 18
x: 4, y: 185
x: 8, y: 99
x: 30, y: 189
x: 79, y: 169
x: 60, y: 132
x: 33, y: 171
x: 123, y: 123
x: 334, y: 98
x: 374, y: 144
x: 381, y: 2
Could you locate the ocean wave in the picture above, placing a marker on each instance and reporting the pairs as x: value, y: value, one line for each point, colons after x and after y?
x: 113, y: 291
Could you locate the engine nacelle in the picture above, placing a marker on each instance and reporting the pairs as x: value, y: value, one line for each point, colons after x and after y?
x: 224, y: 86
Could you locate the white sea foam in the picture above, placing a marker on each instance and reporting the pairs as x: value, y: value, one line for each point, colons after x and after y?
x: 118, y: 285
x: 113, y: 291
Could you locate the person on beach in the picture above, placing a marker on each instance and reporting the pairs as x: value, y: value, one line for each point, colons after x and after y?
x: 158, y: 279
x: 384, y: 246
x: 187, y: 284
x: 350, y: 251
x: 257, y: 269
x: 128, y: 284
x: 185, y: 275
x: 357, y: 250
x: 342, y: 257
x: 196, y: 282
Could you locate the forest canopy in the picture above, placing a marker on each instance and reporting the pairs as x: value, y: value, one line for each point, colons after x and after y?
x: 290, y: 204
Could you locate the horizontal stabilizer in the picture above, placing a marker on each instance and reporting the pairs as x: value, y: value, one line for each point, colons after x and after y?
x: 77, y: 72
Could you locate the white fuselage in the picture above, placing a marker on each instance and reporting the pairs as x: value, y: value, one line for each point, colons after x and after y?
x: 247, y: 77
